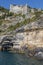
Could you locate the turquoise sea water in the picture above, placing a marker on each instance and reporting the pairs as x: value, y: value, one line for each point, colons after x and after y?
x: 7, y: 58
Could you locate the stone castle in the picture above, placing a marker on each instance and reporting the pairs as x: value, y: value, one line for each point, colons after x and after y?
x: 16, y: 9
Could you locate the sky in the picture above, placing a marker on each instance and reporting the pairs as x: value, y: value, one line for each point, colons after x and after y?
x: 32, y: 3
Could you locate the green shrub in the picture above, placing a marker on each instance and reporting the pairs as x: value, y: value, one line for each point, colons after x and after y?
x: 1, y: 22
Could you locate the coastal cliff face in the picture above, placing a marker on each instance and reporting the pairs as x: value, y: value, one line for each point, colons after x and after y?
x: 35, y: 38
x: 32, y: 34
x: 32, y: 38
x: 26, y: 30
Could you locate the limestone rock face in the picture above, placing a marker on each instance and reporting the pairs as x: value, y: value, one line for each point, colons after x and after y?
x: 31, y: 38
x: 33, y: 34
x: 36, y: 38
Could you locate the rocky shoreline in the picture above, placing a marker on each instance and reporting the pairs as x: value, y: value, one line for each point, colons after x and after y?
x: 36, y: 53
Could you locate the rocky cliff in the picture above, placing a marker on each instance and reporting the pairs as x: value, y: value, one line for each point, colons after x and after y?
x: 32, y: 33
x: 25, y: 29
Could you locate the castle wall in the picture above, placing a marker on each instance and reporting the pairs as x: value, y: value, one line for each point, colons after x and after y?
x: 18, y: 9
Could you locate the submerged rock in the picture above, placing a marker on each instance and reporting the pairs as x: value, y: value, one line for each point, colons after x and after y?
x: 39, y: 55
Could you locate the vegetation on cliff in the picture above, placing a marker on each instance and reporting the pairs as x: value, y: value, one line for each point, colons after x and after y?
x: 11, y: 17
